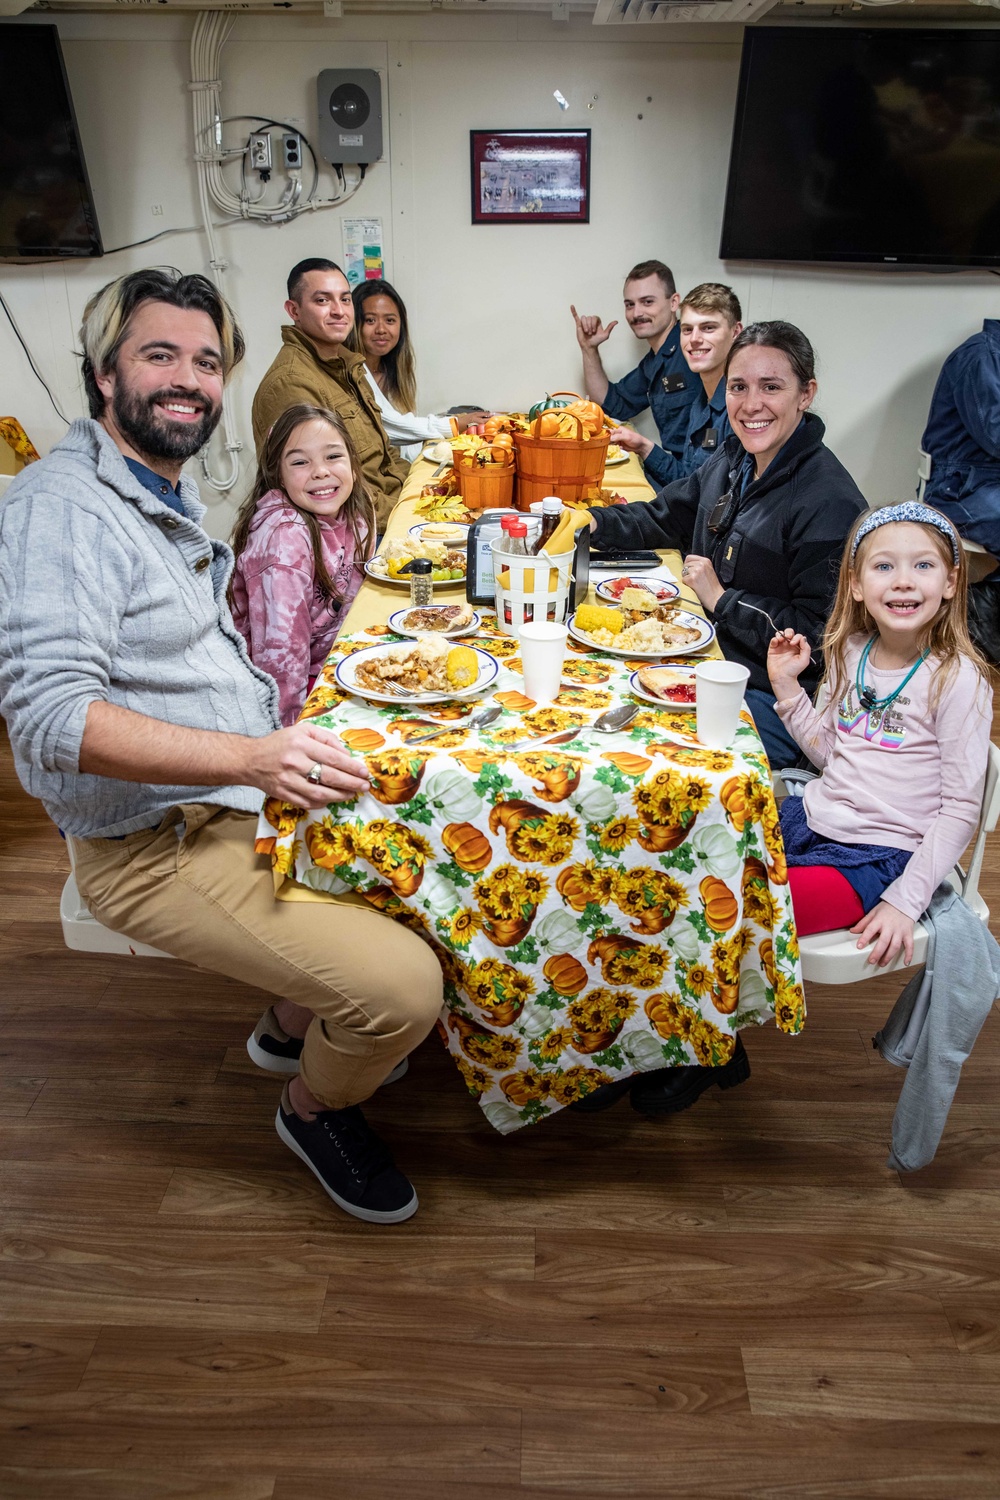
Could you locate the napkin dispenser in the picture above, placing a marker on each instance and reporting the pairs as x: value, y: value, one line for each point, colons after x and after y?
x: 580, y: 582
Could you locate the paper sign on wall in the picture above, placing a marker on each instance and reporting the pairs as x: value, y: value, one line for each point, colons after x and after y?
x: 363, y: 258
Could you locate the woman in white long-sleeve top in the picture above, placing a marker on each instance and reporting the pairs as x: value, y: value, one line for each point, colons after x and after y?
x: 382, y: 335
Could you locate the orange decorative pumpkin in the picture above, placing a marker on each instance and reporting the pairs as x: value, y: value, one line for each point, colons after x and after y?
x: 469, y: 848
x: 264, y: 846
x: 362, y: 739
x: 516, y: 702
x: 721, y: 906
x: 565, y: 974
x: 753, y: 870
x: 629, y: 764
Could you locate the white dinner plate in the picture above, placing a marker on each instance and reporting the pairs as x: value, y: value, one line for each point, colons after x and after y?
x: 404, y: 582
x: 459, y: 545
x: 346, y: 670
x: 663, y: 588
x: 395, y: 624
x: 640, y: 692
x: 620, y: 457
x: 439, y: 452
x: 706, y: 635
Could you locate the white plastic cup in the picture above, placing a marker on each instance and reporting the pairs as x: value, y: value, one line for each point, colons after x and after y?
x: 543, y: 650
x: 719, y: 688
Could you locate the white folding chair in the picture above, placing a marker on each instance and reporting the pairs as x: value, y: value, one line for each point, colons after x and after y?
x: 835, y: 958
x: 924, y: 462
x: 84, y: 933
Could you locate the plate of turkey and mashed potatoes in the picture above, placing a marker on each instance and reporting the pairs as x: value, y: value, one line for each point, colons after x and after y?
x: 640, y: 625
x: 429, y: 669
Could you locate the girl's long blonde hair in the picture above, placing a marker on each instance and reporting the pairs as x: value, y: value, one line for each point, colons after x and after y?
x: 358, y: 509
x: 947, y: 636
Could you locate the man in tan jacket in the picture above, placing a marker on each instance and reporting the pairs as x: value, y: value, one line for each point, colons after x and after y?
x: 315, y: 366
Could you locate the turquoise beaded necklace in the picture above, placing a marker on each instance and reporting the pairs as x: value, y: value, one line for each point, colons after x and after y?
x: 866, y: 695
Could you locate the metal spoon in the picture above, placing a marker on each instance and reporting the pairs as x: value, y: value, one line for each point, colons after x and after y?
x: 615, y: 719
x: 479, y: 720
x: 763, y: 612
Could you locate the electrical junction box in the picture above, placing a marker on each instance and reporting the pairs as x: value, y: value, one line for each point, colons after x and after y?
x: 350, y: 115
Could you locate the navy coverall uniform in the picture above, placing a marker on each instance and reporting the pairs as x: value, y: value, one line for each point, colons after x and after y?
x: 663, y: 382
x: 707, y: 430
x: 963, y: 438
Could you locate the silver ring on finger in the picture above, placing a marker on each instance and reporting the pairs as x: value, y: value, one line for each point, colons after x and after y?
x: 684, y: 572
x: 315, y: 775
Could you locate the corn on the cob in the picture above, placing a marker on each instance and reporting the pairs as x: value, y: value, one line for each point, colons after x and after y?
x: 591, y: 617
x: 462, y: 666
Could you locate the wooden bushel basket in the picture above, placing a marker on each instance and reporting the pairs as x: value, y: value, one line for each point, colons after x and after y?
x: 566, y: 467
x: 486, y: 486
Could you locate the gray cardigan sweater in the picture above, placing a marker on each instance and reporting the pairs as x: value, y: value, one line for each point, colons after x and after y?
x: 106, y: 593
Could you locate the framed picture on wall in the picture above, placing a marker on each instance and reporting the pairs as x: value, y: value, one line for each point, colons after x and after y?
x: 530, y: 176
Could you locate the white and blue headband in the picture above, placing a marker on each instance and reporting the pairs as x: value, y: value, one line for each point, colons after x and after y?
x: 910, y: 510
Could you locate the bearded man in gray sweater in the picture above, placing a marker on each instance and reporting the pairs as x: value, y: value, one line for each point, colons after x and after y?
x: 139, y: 721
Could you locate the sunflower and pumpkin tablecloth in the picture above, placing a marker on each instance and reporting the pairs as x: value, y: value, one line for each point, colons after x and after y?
x: 611, y: 905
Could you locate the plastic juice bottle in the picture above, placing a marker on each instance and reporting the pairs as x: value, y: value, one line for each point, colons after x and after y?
x: 516, y: 544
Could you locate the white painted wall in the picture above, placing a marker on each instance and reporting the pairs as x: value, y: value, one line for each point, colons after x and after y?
x: 488, y: 304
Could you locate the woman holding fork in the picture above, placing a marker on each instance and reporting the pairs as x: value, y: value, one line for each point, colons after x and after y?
x: 762, y: 525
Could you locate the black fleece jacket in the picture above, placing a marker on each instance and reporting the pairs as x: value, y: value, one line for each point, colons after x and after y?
x: 781, y: 552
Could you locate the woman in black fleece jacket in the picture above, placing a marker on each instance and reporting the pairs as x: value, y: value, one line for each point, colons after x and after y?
x: 763, y: 522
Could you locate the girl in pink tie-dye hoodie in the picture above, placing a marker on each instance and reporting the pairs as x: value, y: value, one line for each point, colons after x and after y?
x: 300, y: 541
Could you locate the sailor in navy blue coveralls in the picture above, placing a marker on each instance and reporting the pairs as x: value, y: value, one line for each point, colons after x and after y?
x: 963, y: 438
x: 663, y: 382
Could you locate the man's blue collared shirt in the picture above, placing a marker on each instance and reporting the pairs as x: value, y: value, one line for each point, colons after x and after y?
x: 157, y: 485
x: 707, y: 430
x: 663, y: 382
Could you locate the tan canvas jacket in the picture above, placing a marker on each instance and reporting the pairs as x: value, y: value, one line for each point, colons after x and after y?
x: 299, y: 374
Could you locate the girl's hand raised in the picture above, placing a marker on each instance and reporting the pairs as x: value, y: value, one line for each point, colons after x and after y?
x: 788, y: 655
x: 890, y: 930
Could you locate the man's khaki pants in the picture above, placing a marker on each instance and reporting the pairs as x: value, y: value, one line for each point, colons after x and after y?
x: 374, y: 987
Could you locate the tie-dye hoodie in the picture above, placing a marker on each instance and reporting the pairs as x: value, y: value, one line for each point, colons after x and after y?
x: 278, y: 606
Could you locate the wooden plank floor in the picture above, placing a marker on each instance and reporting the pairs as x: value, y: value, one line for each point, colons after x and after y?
x: 738, y: 1301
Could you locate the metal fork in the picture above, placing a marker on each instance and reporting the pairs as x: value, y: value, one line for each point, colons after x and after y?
x: 763, y: 612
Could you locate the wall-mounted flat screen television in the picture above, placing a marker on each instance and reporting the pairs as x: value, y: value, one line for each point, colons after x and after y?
x: 877, y: 146
x: 46, y: 206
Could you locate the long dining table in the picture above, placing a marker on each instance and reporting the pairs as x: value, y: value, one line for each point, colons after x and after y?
x: 610, y: 905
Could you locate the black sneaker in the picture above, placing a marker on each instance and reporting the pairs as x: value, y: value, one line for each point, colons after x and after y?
x: 271, y: 1049
x: 669, y: 1090
x: 354, y: 1166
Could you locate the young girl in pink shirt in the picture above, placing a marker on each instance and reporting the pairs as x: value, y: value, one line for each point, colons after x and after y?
x: 300, y: 541
x: 902, y: 738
